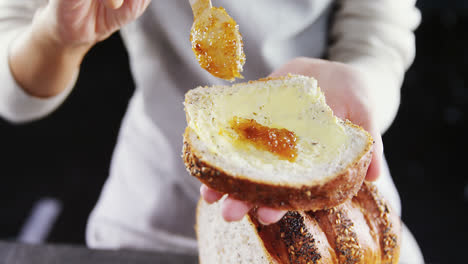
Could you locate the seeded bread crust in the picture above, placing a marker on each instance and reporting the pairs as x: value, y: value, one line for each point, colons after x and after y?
x: 337, y: 190
x: 292, y: 241
x: 383, y: 221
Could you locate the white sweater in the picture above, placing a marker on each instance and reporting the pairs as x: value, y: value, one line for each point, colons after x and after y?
x: 149, y: 199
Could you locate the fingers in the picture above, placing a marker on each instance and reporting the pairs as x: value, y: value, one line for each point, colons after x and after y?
x: 375, y: 167
x: 268, y: 216
x: 209, y: 195
x: 234, y: 210
x: 301, y: 65
x: 113, y: 4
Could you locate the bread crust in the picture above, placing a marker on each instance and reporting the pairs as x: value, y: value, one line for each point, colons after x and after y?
x: 291, y: 241
x: 362, y: 230
x: 382, y: 220
x: 337, y: 190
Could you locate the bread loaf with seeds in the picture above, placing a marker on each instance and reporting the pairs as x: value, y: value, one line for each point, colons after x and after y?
x: 362, y: 230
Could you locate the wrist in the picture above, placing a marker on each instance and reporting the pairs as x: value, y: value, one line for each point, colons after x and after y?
x: 47, y: 41
x: 41, y: 66
x: 49, y: 33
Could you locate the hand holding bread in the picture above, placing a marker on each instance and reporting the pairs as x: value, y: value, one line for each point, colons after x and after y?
x: 275, y: 143
x: 345, y: 94
x: 275, y: 151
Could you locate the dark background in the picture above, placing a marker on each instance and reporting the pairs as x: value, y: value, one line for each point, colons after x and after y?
x: 66, y: 155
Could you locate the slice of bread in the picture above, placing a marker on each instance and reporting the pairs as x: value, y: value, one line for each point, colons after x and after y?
x: 326, y: 158
x: 360, y: 231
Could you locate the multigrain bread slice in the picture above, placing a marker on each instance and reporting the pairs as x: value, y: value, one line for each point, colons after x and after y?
x: 326, y: 158
x: 362, y: 230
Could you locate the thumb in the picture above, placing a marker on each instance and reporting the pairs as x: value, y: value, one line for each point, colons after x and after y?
x: 375, y: 167
x: 113, y: 4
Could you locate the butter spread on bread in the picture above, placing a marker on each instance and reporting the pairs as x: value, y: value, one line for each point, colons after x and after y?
x: 331, y: 158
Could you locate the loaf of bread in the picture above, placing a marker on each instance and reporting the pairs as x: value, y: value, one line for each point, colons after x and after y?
x: 361, y: 230
x: 274, y: 143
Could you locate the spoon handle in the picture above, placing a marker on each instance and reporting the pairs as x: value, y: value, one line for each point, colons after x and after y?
x: 198, y: 6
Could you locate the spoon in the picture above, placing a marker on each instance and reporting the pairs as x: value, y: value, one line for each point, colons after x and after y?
x: 216, y: 40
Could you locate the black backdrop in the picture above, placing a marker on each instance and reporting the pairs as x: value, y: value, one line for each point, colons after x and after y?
x: 66, y: 155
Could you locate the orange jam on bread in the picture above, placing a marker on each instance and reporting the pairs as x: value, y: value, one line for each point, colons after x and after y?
x: 278, y: 141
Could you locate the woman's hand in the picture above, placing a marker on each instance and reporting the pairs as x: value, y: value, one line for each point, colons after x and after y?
x: 348, y: 96
x: 85, y: 22
x: 234, y: 210
x: 47, y: 56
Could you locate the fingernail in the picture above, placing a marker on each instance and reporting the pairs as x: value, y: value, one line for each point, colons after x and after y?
x: 261, y: 222
x: 267, y: 216
x: 114, y: 4
x: 234, y: 210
